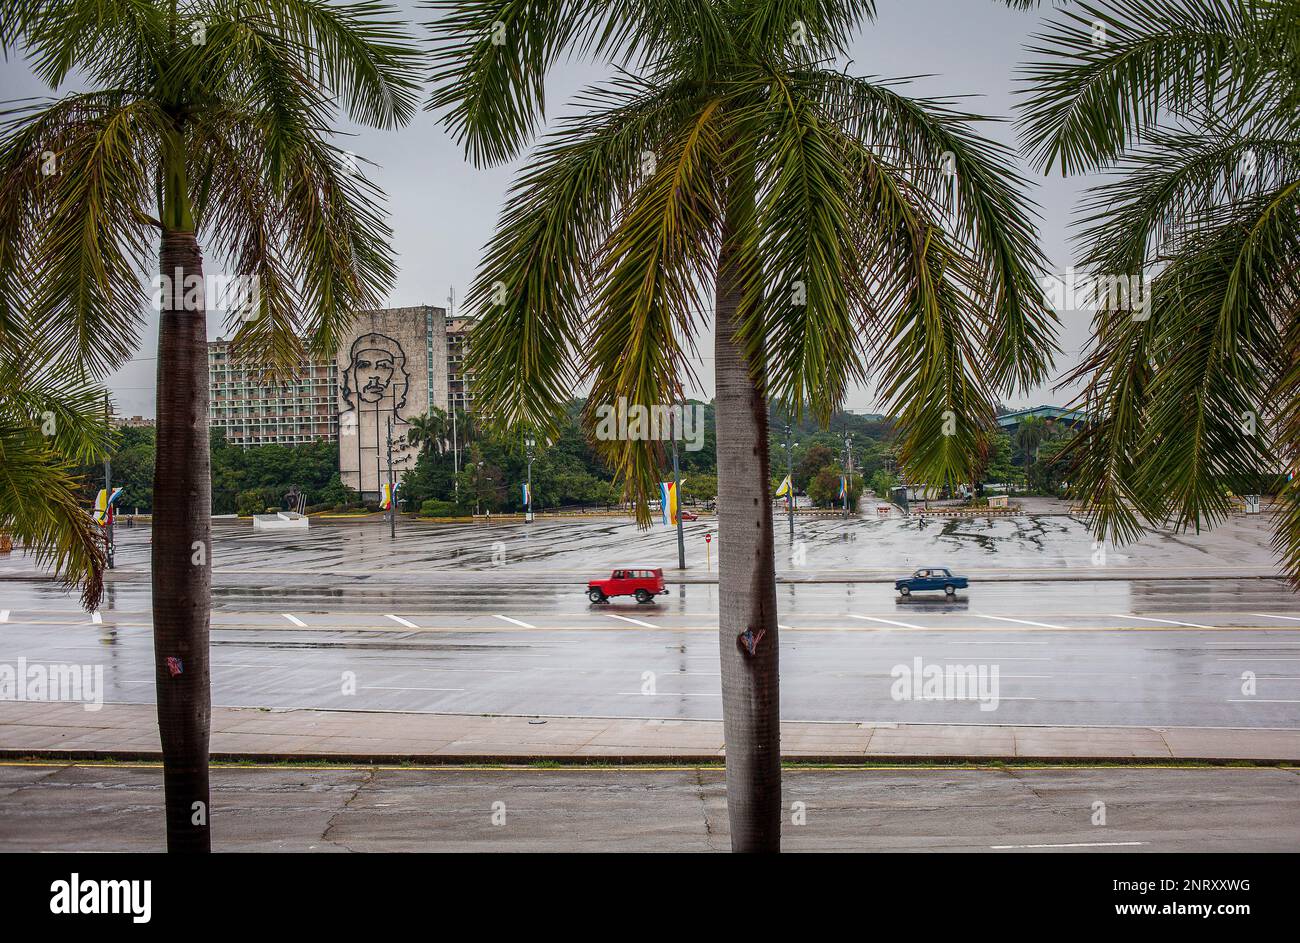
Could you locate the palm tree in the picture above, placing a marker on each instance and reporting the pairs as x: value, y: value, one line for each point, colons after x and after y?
x: 1193, y: 390
x: 430, y: 432
x: 813, y: 210
x: 203, y: 117
x: 50, y: 426
x: 1031, y: 432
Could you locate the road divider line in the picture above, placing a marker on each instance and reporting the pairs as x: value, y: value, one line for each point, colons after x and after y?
x: 1269, y: 615
x: 295, y: 620
x: 1076, y: 844
x: 517, y: 622
x: 400, y: 621
x: 1190, y: 625
x: 1041, y: 625
x: 384, y: 687
x: 4, y: 615
x: 96, y: 618
x: 1258, y: 700
x: 901, y: 625
x: 648, y: 625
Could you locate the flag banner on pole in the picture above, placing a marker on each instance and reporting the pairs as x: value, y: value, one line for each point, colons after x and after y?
x: 103, y: 512
x: 527, y: 494
x: 668, y: 502
x: 786, y: 488
x: 390, y: 495
x: 844, y: 486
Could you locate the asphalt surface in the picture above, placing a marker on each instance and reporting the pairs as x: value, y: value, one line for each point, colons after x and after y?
x: 469, y: 637
x: 47, y: 807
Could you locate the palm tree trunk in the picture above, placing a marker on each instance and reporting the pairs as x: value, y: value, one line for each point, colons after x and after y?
x: 751, y: 705
x: 182, y: 546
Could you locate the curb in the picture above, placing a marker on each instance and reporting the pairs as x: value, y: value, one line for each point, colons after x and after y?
x: 639, y: 759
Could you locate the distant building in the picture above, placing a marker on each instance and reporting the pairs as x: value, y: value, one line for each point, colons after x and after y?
x: 252, y: 412
x: 460, y: 380
x: 391, y: 368
x: 132, y: 422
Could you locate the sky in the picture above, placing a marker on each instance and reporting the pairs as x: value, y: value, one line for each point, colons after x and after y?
x: 443, y: 210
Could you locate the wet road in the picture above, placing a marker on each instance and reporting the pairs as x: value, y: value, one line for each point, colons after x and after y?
x: 48, y: 807
x: 521, y: 638
x: 1168, y: 653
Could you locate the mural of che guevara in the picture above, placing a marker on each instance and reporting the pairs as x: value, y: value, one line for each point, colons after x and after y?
x: 373, y: 388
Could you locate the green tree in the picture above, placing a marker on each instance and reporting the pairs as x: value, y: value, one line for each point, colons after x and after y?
x: 205, y: 118
x: 50, y: 426
x: 814, y: 460
x: 1194, y: 106
x: 808, y: 207
x: 1030, y: 434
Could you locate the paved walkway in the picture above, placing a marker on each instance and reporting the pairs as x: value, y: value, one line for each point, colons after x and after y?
x: 130, y: 731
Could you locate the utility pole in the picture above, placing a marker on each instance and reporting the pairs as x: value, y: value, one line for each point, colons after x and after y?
x: 848, y: 470
x: 108, y: 492
x: 392, y: 496
x: 789, y: 474
x: 451, y: 397
x: 677, y: 490
x: 529, y: 444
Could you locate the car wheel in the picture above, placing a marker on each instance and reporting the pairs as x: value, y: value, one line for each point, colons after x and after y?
x: 596, y: 595
x: 904, y: 591
x: 950, y: 590
x: 642, y: 596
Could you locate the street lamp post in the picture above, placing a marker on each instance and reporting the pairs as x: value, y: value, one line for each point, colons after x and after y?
x: 529, y: 444
x: 108, y: 494
x: 392, y: 497
x: 848, y: 470
x: 789, y: 474
x: 677, y: 490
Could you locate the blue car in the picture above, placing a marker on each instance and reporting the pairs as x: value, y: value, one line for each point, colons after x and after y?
x: 930, y: 578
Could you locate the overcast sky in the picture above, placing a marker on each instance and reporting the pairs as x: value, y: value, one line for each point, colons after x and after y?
x: 443, y: 210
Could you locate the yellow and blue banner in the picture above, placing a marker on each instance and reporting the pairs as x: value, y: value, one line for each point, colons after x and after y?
x: 104, y: 501
x: 844, y: 486
x: 390, y: 495
x: 668, y: 502
x: 527, y: 494
x: 786, y: 490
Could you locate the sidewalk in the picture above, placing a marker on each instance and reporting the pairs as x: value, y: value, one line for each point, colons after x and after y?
x: 129, y: 731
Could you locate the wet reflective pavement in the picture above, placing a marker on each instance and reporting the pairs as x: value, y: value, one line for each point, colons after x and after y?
x: 521, y: 638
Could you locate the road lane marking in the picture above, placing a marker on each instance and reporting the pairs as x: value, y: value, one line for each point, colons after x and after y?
x: 1041, y: 625
x: 901, y: 625
x: 514, y: 621
x: 96, y: 618
x: 383, y: 687
x: 1190, y: 625
x: 1258, y: 700
x: 295, y: 620
x: 1269, y: 615
x: 648, y: 625
x: 665, y: 694
x: 400, y: 621
x: 4, y: 615
x: 1077, y: 844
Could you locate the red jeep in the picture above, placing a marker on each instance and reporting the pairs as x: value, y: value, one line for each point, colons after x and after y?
x: 644, y: 584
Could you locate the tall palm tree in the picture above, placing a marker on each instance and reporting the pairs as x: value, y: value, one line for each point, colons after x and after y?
x: 203, y: 117
x: 1030, y: 434
x: 1194, y: 107
x: 430, y: 432
x: 827, y: 219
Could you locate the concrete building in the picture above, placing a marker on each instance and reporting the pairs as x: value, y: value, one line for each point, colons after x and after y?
x: 391, y: 368
x: 460, y: 380
x: 252, y: 412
